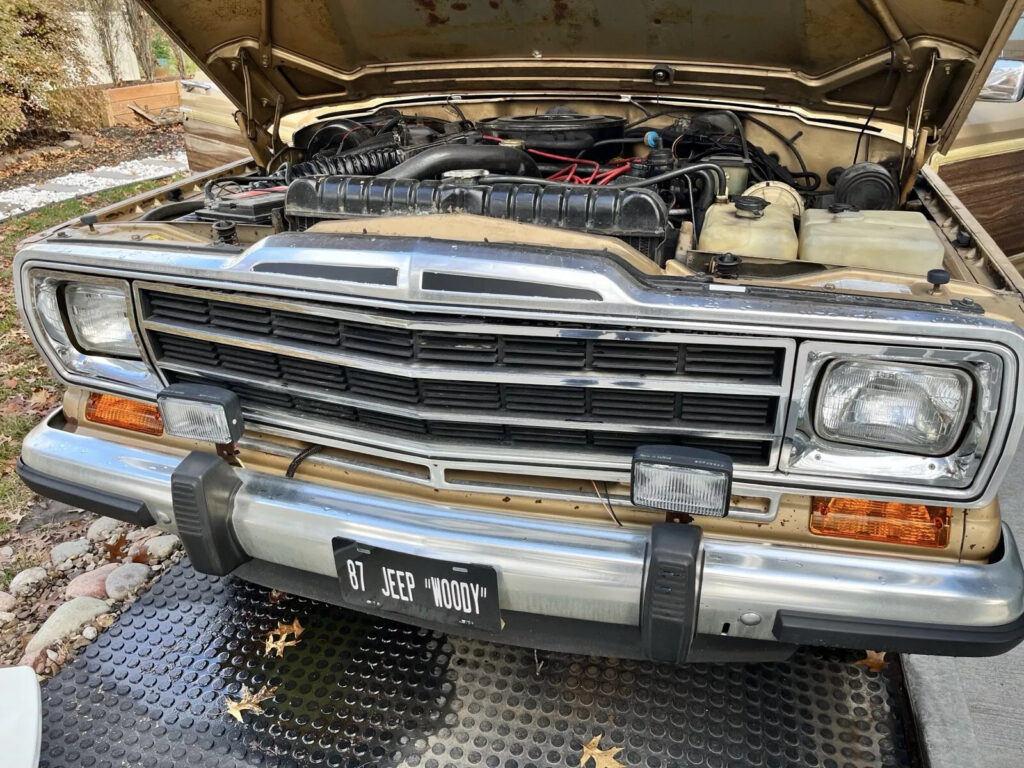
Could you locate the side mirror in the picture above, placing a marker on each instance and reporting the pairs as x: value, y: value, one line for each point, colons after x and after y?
x: 1004, y: 83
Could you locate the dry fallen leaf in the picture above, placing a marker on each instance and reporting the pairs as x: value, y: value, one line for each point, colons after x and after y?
x: 874, y: 660
x: 295, y: 628
x: 141, y: 555
x: 250, y: 702
x: 603, y: 758
x: 104, y: 621
x: 275, y: 596
x: 117, y: 551
x: 278, y: 646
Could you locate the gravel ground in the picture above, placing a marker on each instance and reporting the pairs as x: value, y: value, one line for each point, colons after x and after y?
x: 21, y: 199
x: 108, y: 146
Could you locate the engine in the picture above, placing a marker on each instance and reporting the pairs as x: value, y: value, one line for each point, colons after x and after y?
x: 696, y: 177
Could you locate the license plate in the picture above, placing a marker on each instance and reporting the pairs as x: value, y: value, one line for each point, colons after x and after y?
x: 438, y: 591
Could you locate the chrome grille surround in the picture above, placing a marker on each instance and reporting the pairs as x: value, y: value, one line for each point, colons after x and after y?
x: 441, y: 427
x: 320, y: 268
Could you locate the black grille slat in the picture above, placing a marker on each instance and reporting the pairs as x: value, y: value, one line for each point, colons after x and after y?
x: 540, y: 351
x: 632, y: 356
x: 458, y: 348
x: 377, y: 340
x: 312, y: 330
x: 169, y: 306
x: 240, y: 317
x: 612, y: 403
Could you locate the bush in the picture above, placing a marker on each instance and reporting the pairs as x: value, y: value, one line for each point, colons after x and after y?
x: 41, y: 69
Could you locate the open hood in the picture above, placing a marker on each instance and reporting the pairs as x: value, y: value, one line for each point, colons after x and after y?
x: 916, y: 62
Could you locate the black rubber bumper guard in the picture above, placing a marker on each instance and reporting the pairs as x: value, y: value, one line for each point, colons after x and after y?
x: 203, y: 486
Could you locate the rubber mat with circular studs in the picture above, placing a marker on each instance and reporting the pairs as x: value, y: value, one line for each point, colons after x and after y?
x: 202, y: 671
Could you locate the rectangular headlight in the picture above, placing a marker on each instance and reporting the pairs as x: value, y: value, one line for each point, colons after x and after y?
x: 902, y: 407
x: 83, y: 326
x: 98, y: 317
x: 685, y: 480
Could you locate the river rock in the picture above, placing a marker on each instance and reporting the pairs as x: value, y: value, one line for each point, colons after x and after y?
x: 68, y: 550
x: 66, y: 621
x: 126, y: 579
x: 7, y: 601
x: 91, y: 583
x: 28, y: 581
x: 101, y: 528
x: 161, y: 547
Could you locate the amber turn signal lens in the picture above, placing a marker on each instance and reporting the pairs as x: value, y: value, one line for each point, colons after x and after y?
x: 912, y: 524
x: 124, y: 413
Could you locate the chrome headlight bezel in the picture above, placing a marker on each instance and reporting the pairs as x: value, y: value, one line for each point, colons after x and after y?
x: 70, y: 363
x: 958, y: 472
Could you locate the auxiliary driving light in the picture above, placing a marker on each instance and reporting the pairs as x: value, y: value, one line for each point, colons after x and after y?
x: 690, y: 481
x: 201, y: 412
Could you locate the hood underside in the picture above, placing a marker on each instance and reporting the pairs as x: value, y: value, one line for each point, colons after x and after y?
x: 849, y: 58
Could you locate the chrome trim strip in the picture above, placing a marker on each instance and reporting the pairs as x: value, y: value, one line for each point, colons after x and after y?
x: 581, y: 570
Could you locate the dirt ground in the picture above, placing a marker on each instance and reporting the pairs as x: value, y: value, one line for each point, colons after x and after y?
x: 112, y: 145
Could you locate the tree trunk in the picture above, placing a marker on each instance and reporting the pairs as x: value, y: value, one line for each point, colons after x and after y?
x: 180, y: 60
x: 140, y: 31
x: 102, y: 13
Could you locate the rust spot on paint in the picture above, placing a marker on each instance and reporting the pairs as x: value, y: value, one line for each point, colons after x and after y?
x: 559, y: 10
x: 430, y: 6
x: 495, y: 4
x: 460, y: 6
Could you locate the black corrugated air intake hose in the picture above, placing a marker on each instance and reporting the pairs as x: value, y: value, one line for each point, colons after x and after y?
x: 433, y: 161
x: 367, y: 162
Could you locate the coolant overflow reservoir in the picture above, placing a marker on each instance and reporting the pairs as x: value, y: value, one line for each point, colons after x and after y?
x: 890, y: 241
x: 749, y: 226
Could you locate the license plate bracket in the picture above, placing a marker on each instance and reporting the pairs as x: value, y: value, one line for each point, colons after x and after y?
x: 416, y: 586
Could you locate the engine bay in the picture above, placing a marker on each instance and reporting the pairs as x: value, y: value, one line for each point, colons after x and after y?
x: 679, y: 187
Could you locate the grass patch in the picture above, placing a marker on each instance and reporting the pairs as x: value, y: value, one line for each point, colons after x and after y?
x: 20, y: 562
x: 26, y: 385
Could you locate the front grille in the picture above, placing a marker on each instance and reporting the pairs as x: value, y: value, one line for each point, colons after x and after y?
x: 506, y: 350
x: 475, y: 384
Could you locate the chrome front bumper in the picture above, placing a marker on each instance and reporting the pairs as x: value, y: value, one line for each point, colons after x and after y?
x: 554, y: 568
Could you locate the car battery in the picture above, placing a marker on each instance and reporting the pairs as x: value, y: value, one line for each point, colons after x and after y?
x: 251, y: 206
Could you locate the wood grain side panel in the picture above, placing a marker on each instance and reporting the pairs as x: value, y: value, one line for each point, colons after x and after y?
x: 992, y: 188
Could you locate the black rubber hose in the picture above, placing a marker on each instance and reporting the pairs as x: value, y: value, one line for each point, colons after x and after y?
x: 169, y: 211
x: 432, y: 162
x: 369, y: 162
